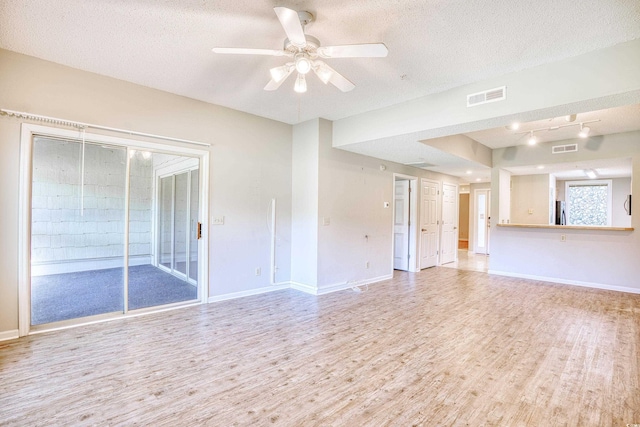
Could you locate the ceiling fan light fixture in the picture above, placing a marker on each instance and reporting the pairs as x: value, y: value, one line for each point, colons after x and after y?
x: 301, y: 84
x: 303, y: 64
x: 323, y: 72
x: 279, y: 73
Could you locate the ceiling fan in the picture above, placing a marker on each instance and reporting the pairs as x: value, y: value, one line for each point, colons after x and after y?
x: 306, y: 51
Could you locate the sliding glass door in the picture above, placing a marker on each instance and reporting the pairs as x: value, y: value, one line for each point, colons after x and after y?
x: 171, y: 275
x: 86, y: 210
x: 77, y: 229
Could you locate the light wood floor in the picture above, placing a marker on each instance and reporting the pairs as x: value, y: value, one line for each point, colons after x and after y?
x: 444, y: 347
x: 470, y: 261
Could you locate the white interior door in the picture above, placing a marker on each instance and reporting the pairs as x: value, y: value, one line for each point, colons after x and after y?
x: 482, y: 218
x: 401, y: 226
x: 488, y: 220
x: 429, y: 223
x: 448, y: 248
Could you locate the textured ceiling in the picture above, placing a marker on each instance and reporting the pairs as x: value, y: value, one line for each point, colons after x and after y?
x: 433, y: 45
x: 613, y: 120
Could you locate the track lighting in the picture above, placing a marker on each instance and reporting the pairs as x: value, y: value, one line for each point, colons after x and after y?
x: 532, y: 140
x: 584, y: 131
x: 301, y: 84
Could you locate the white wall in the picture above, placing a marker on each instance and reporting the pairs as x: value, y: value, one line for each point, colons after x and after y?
x: 344, y: 213
x: 588, y: 257
x: 304, y: 206
x: 250, y: 164
x: 530, y: 193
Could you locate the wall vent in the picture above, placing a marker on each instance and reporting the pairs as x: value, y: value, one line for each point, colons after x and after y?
x: 491, y: 95
x: 568, y: 148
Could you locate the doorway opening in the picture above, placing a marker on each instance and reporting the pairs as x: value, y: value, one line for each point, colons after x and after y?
x: 405, y: 222
x: 109, y: 227
x: 482, y: 221
x: 463, y: 221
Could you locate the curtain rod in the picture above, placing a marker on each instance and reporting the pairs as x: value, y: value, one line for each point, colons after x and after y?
x: 80, y: 125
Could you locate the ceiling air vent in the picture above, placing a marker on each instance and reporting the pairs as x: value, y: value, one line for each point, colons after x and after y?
x: 419, y: 165
x: 569, y: 148
x: 491, y: 95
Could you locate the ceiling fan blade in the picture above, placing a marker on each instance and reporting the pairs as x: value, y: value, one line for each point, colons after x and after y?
x: 329, y: 75
x: 369, y: 50
x: 243, y: 51
x: 273, y: 84
x: 292, y: 26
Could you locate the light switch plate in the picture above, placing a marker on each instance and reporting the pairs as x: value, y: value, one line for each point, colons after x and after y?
x: 326, y: 220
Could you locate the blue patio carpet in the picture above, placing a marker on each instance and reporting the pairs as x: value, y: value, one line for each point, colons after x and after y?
x: 71, y: 295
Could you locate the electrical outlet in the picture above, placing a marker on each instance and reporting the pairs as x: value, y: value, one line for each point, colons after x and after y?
x: 217, y: 220
x: 563, y: 238
x: 366, y: 264
x: 258, y: 271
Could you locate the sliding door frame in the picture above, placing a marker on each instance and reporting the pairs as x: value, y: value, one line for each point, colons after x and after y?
x: 28, y: 131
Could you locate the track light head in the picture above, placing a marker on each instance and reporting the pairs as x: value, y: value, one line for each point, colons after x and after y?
x: 584, y: 131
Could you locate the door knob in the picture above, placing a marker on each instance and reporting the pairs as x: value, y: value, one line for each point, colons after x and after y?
x: 455, y: 228
x: 424, y: 229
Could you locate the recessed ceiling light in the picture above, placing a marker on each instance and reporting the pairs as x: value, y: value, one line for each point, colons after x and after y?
x: 532, y: 139
x: 592, y: 174
x: 540, y: 166
x: 514, y: 126
x: 469, y: 172
x: 478, y: 179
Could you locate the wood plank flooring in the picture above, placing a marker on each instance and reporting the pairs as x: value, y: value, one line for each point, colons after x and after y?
x: 439, y: 348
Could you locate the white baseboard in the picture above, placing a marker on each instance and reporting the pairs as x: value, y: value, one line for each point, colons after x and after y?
x: 303, y: 287
x: 9, y: 335
x: 337, y: 287
x: 258, y: 291
x: 90, y: 264
x: 567, y: 282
